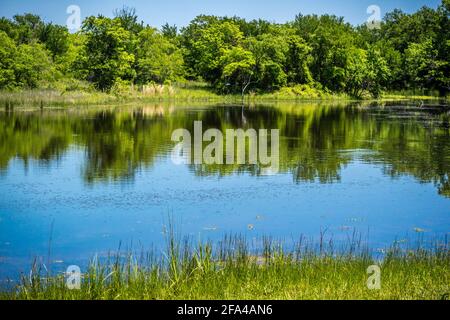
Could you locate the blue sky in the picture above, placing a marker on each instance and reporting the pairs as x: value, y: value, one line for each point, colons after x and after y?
x: 180, y: 12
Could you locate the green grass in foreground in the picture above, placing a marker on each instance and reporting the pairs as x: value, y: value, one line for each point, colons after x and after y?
x: 229, y: 271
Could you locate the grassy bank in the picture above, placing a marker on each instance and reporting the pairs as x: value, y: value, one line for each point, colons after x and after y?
x: 185, y: 92
x: 150, y: 94
x: 85, y: 95
x: 231, y: 270
x: 413, y: 95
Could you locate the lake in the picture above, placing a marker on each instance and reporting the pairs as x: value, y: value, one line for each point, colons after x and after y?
x: 80, y: 182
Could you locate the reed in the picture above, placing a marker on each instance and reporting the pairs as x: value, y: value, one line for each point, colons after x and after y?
x: 235, y: 268
x: 178, y: 92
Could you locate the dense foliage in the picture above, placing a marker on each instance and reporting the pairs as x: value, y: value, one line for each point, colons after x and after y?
x: 408, y: 51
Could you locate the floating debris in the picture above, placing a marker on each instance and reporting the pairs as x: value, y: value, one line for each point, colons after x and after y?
x: 251, y: 227
x: 258, y: 217
x: 210, y: 228
x: 419, y: 230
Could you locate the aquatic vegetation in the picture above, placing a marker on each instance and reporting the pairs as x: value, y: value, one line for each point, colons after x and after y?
x: 233, y: 269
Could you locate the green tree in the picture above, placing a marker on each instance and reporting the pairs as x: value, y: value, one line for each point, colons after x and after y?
x: 33, y: 66
x: 158, y: 59
x: 7, y: 57
x: 237, y: 70
x: 332, y: 41
x: 231, y: 53
x: 423, y: 67
x: 298, y: 61
x: 9, y: 28
x: 356, y: 73
x: 55, y: 38
x: 107, y: 54
x: 169, y: 31
x: 367, y: 72
x: 378, y: 72
x: 29, y: 27
x: 70, y: 63
x: 205, y: 40
x: 128, y: 19
x: 270, y: 58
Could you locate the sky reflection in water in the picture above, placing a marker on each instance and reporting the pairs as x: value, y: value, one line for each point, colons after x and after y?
x: 102, y: 177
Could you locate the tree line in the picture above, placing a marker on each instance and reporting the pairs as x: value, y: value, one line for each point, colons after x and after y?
x: 231, y: 54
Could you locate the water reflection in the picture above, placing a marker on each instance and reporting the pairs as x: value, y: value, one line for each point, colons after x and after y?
x: 317, y: 141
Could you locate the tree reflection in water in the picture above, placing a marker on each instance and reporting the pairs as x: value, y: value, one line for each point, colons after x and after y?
x: 317, y: 140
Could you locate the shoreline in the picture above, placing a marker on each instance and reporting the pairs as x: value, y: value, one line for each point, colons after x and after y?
x: 230, y: 269
x: 53, y: 98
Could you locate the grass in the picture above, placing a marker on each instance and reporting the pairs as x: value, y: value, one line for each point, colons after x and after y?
x: 84, y: 95
x: 53, y: 98
x: 121, y: 94
x: 421, y: 95
x: 230, y: 269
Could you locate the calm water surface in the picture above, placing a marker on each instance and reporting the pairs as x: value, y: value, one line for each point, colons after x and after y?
x: 87, y: 180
